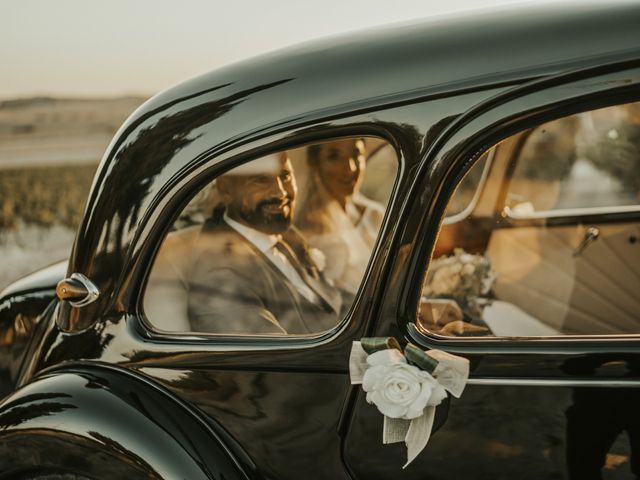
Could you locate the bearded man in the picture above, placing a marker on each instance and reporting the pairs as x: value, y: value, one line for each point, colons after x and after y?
x: 252, y: 272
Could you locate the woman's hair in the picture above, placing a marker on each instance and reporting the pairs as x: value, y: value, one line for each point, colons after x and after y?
x: 312, y: 214
x: 313, y: 154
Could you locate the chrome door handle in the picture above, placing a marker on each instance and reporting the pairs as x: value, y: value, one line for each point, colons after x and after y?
x: 78, y: 290
x: 590, y: 236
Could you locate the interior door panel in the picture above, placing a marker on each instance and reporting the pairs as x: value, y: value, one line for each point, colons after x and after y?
x: 587, y: 293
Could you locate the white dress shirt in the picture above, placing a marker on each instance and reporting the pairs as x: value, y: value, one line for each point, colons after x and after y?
x: 266, y: 244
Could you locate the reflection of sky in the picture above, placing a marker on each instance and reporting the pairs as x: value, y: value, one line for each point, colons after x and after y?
x: 602, y: 174
x: 585, y: 187
x: 74, y: 47
x: 588, y: 186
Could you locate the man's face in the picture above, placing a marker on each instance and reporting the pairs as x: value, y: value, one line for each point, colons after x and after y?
x: 340, y: 167
x: 264, y: 199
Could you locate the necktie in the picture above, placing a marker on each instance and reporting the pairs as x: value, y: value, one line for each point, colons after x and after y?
x: 330, y: 297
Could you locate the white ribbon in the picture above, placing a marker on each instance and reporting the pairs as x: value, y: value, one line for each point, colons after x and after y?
x: 451, y: 373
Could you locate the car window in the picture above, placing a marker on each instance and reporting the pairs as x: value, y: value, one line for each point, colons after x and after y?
x: 466, y: 193
x: 276, y: 246
x: 552, y: 244
x: 584, y: 161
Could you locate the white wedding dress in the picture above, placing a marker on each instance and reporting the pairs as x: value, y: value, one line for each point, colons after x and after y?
x: 347, y: 247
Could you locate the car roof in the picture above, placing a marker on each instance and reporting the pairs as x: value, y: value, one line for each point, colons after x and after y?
x: 452, y: 51
x: 176, y: 129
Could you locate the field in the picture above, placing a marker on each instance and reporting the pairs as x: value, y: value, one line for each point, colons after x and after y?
x: 49, y: 151
x: 43, y: 196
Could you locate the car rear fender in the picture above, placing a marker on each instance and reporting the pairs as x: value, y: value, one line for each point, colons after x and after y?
x: 106, y: 422
x: 22, y: 308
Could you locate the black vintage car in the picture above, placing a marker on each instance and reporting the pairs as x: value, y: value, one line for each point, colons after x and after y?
x: 470, y: 185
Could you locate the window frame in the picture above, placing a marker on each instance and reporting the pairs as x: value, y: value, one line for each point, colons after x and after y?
x: 468, y: 210
x: 214, y: 169
x: 480, y: 129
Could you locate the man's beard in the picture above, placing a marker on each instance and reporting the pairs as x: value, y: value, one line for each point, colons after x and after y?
x: 270, y: 222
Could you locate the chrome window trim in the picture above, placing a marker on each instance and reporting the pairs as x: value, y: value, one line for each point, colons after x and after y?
x: 476, y: 195
x: 570, y: 212
x: 559, y: 382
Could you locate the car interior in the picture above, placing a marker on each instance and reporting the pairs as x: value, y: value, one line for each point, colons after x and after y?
x: 555, y: 210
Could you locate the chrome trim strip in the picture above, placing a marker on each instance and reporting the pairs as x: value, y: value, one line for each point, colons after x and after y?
x: 570, y: 212
x: 92, y: 291
x: 458, y: 217
x: 560, y: 382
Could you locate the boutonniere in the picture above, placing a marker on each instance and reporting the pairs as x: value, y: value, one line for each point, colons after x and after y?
x: 318, y: 259
x: 406, y: 386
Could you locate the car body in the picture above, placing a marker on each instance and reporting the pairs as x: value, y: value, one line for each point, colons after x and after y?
x: 94, y: 391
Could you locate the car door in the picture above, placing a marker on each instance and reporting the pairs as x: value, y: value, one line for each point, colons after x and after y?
x: 553, y: 383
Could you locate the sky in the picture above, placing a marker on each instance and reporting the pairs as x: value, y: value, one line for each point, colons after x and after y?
x: 88, y: 48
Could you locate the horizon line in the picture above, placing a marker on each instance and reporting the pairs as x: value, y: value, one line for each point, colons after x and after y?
x: 71, y: 97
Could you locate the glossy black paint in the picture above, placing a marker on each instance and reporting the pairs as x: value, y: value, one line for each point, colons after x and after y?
x: 440, y: 93
x: 19, y: 317
x: 44, y: 279
x: 21, y: 306
x: 103, y: 422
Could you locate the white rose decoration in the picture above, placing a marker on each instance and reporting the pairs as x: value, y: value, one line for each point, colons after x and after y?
x: 318, y: 258
x: 398, y: 389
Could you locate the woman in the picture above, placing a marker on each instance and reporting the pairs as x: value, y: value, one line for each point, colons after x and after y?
x: 334, y: 216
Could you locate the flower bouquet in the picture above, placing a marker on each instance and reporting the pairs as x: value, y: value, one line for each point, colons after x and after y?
x: 463, y: 277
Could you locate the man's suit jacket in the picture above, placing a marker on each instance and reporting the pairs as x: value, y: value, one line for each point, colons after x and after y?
x: 234, y: 288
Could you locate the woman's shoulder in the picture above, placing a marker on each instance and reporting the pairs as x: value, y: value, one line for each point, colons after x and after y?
x: 372, y: 211
x: 365, y: 202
